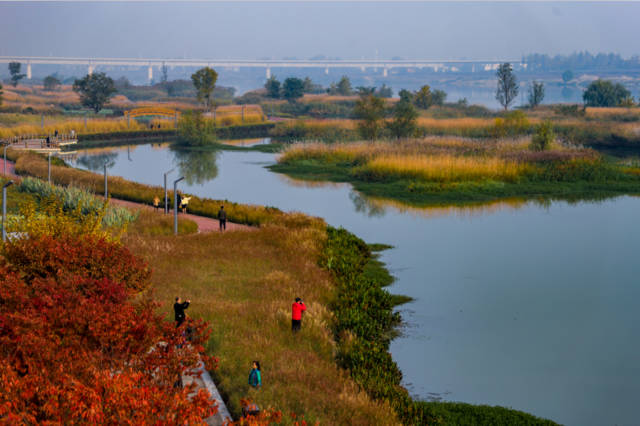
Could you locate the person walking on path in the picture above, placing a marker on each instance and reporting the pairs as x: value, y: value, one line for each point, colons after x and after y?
x: 179, y: 197
x: 222, y: 218
x: 255, y: 380
x: 297, y: 309
x: 179, y: 308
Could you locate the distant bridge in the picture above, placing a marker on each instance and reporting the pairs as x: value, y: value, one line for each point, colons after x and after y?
x: 384, y: 65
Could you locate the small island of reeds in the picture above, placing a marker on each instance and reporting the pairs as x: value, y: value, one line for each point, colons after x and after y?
x: 445, y: 170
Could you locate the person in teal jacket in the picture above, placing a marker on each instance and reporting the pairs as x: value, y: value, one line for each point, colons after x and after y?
x: 255, y: 380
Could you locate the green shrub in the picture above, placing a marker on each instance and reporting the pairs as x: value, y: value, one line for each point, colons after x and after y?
x: 457, y: 413
x: 543, y: 138
x: 75, y: 198
x: 195, y: 130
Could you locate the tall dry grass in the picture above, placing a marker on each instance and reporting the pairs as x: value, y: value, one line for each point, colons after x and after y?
x: 28, y: 124
x: 344, y: 124
x: 244, y: 284
x: 438, y: 159
x: 447, y: 124
x: 600, y: 112
x: 444, y: 168
x: 65, y: 125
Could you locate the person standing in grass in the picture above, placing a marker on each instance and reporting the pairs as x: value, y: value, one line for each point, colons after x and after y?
x: 156, y: 202
x: 297, y: 309
x: 222, y: 219
x: 255, y: 379
x: 178, y: 309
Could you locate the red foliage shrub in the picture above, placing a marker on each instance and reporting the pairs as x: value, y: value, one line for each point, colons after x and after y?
x: 76, y: 348
x: 264, y: 418
x: 46, y: 256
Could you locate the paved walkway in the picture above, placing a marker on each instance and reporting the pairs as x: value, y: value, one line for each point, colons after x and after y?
x: 205, y: 224
x: 222, y: 417
x: 10, y: 169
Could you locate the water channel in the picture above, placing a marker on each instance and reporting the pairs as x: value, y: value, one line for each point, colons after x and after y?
x: 527, y: 305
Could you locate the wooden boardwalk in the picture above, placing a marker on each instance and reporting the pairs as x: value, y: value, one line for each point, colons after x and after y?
x: 41, y: 145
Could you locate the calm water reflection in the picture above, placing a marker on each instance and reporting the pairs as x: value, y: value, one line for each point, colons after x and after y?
x: 521, y: 304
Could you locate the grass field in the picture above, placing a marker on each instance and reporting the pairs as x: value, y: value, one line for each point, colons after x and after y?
x: 244, y: 284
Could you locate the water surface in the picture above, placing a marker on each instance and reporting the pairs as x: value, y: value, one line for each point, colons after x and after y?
x: 521, y: 304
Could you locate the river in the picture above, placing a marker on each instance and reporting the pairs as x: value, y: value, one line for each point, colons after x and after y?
x: 528, y: 305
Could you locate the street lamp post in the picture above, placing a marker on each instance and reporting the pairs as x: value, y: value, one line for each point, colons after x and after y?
x: 49, y: 170
x: 166, y: 202
x: 4, y: 209
x: 175, y: 205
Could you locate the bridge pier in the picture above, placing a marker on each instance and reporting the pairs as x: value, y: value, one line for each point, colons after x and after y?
x: 385, y: 72
x: 268, y: 73
x: 29, y: 70
x: 326, y: 70
x: 90, y: 70
x: 150, y: 73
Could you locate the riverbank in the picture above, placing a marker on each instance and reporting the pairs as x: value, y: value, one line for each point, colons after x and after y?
x: 445, y: 171
x: 252, y: 278
x: 364, y: 326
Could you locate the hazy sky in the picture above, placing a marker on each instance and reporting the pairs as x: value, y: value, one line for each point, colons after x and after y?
x: 337, y: 29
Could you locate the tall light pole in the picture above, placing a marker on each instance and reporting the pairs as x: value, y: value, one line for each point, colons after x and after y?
x: 166, y: 202
x: 4, y: 209
x: 5, y: 158
x: 49, y: 170
x: 175, y: 205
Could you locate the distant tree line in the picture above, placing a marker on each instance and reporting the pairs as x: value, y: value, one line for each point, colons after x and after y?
x: 580, y: 61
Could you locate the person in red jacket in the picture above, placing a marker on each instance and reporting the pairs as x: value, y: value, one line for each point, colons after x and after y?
x: 297, y: 309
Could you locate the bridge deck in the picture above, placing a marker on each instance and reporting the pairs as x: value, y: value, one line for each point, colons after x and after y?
x: 40, y: 144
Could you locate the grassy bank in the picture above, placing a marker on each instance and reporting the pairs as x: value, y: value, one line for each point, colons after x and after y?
x: 244, y: 284
x: 436, y: 171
